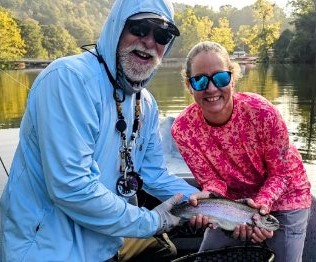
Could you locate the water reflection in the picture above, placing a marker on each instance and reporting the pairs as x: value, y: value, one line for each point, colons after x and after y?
x: 14, y: 88
x: 292, y: 88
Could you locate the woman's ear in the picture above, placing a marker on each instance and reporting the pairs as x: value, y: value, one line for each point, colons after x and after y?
x: 188, y: 86
x: 233, y: 84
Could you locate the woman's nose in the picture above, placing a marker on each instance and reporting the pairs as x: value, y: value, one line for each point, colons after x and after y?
x: 211, y: 86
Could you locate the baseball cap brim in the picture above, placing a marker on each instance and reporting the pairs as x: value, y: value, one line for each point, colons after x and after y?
x: 159, y: 20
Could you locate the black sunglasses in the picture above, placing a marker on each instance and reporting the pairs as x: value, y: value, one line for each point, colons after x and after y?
x: 219, y: 79
x: 142, y: 28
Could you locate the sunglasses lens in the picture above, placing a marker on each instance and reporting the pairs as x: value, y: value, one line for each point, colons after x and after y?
x: 142, y: 28
x: 221, y: 79
x: 199, y: 83
x: 162, y: 36
x: 139, y: 29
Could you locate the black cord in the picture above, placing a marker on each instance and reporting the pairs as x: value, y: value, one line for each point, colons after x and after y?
x: 111, y: 78
x: 4, y: 167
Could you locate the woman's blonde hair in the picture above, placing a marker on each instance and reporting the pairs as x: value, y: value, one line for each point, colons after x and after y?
x: 214, y: 47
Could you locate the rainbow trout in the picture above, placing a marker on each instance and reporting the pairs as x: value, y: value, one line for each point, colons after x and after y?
x: 226, y: 214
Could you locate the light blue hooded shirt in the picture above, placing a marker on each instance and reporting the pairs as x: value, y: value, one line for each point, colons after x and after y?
x: 60, y: 202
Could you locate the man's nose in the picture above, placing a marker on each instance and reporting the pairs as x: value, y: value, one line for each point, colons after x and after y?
x: 149, y: 40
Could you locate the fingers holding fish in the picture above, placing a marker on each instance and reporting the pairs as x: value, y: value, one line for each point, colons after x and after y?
x: 241, y: 232
x: 225, y: 213
x: 249, y: 232
x: 260, y: 234
x: 263, y: 209
x: 196, y: 221
x: 193, y: 200
x: 199, y: 221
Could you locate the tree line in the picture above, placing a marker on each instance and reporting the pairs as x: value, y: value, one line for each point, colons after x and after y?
x: 45, y: 29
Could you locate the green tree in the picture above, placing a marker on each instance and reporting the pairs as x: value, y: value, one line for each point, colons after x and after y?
x: 302, y: 48
x: 263, y: 11
x: 227, y: 11
x: 204, y: 11
x: 245, y: 39
x: 82, y: 32
x: 241, y: 17
x: 33, y: 37
x: 281, y: 50
x: 193, y: 30
x: 58, y: 42
x: 11, y: 42
x: 268, y: 32
x: 302, y: 7
x: 223, y: 34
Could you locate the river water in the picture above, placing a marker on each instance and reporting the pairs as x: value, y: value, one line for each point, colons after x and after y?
x: 292, y: 88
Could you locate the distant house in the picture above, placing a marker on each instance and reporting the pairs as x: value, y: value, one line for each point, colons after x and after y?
x: 238, y: 54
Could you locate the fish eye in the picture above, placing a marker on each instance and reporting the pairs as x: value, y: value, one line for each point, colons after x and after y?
x: 270, y: 219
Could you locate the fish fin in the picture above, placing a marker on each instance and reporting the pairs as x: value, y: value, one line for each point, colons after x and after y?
x: 213, y: 223
x: 183, y: 221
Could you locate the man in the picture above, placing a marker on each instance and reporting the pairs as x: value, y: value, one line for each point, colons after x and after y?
x: 89, y: 139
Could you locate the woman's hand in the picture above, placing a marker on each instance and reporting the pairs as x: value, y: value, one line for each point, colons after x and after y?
x: 260, y: 234
x: 257, y: 235
x: 243, y: 232
x: 199, y: 221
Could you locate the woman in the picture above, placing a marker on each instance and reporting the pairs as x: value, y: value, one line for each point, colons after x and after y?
x: 237, y: 146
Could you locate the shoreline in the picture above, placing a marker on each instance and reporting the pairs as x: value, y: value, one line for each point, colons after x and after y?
x: 169, y: 62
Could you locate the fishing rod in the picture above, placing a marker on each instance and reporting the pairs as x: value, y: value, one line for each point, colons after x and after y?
x: 4, y: 166
x: 12, y: 78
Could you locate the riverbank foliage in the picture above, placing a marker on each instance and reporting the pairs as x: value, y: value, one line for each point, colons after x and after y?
x: 46, y: 29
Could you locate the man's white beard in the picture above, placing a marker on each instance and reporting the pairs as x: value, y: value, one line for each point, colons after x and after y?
x: 134, y: 71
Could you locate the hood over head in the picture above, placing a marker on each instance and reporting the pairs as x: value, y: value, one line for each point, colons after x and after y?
x: 135, y: 9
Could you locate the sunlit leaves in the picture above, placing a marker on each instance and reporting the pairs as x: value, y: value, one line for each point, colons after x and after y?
x: 223, y: 34
x: 193, y: 29
x: 268, y: 32
x: 302, y: 7
x: 263, y: 10
x: 33, y: 36
x: 11, y: 42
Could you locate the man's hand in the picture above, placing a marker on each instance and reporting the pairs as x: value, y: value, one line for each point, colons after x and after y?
x: 167, y: 220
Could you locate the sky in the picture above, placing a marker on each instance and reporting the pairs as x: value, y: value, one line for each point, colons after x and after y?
x: 236, y: 3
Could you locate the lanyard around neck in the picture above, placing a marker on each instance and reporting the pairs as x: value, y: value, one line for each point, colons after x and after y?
x: 130, y: 182
x: 121, y: 126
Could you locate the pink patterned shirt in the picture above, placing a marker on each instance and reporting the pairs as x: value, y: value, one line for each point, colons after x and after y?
x: 249, y: 156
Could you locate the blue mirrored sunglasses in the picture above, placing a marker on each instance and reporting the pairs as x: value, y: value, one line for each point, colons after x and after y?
x: 219, y: 79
